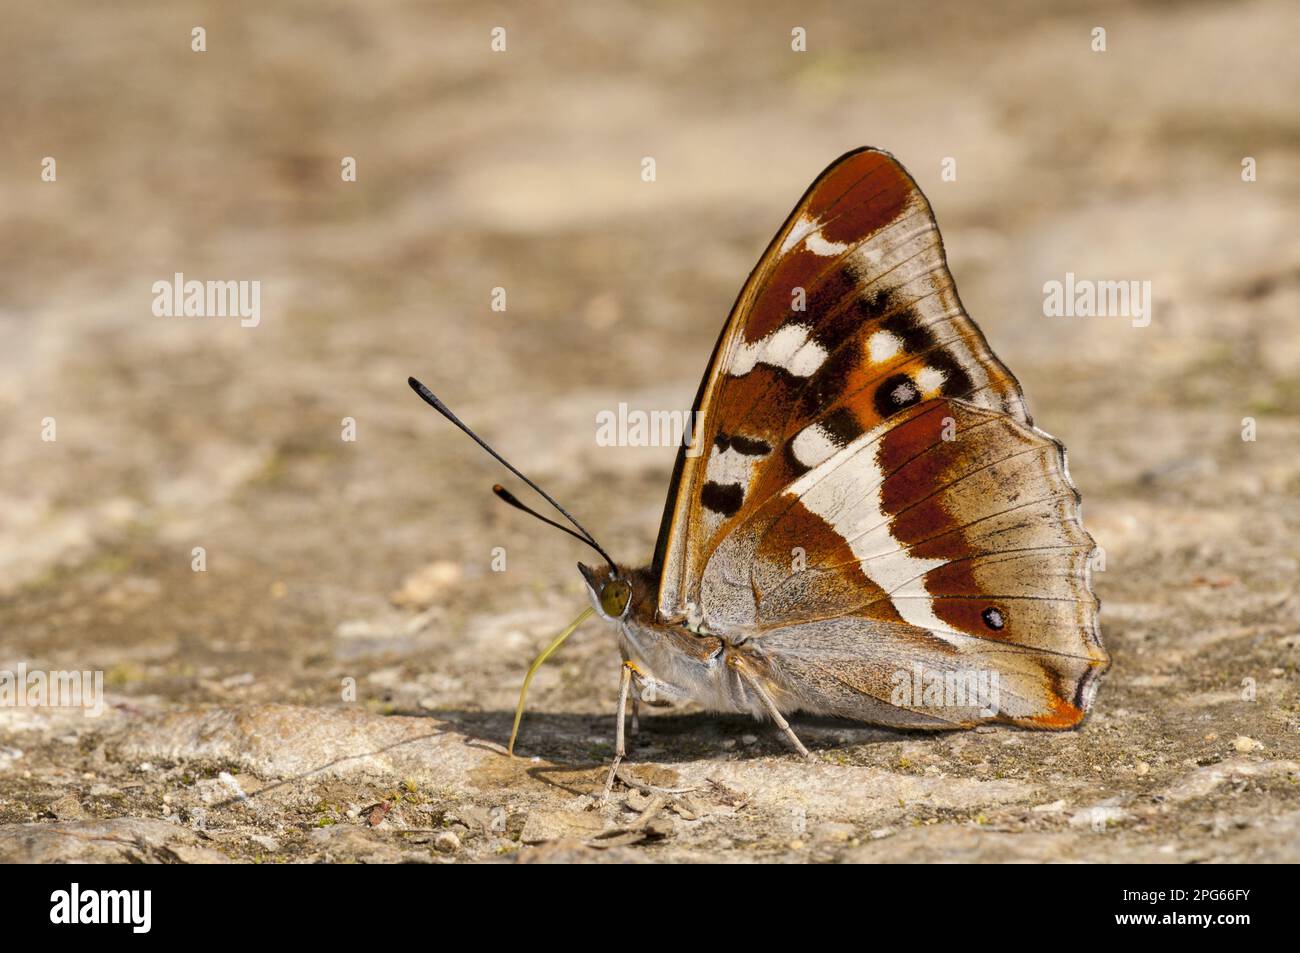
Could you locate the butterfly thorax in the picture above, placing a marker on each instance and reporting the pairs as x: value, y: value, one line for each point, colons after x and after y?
x: 678, y: 660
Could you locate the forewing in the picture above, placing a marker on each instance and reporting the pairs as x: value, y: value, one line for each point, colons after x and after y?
x: 850, y: 316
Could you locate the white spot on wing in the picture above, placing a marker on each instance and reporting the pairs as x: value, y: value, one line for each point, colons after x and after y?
x: 788, y: 346
x: 820, y: 246
x: 812, y: 446
x: 806, y: 360
x: 730, y: 466
x: 883, y: 345
x: 744, y: 358
x: 930, y: 379
x: 802, y: 226
x: 808, y: 230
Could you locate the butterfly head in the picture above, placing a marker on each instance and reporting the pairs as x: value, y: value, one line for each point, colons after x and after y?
x: 610, y: 592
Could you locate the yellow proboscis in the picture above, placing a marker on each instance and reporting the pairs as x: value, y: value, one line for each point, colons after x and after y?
x: 537, y: 663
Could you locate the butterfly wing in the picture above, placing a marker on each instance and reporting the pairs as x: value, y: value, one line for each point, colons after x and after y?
x: 852, y: 295
x: 872, y: 491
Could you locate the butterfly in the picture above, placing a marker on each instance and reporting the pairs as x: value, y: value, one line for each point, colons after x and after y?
x: 870, y: 525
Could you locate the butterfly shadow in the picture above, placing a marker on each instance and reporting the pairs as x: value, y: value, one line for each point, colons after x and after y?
x: 575, y: 747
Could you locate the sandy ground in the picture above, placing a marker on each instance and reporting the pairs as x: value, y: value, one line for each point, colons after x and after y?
x: 230, y: 731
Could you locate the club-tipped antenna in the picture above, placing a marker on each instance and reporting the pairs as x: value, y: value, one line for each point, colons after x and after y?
x: 432, y: 400
x: 508, y: 497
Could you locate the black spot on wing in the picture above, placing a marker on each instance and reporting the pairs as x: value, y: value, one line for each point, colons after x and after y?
x: 873, y: 305
x: 724, y: 498
x: 842, y: 427
x: 828, y: 383
x: 746, y: 446
x: 956, y: 382
x: 907, y: 327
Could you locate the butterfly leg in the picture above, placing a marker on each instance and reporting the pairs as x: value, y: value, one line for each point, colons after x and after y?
x: 770, y: 705
x: 636, y: 697
x: 620, y: 746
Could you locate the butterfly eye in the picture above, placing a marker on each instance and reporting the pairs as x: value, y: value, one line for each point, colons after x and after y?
x: 993, y: 618
x: 614, y: 598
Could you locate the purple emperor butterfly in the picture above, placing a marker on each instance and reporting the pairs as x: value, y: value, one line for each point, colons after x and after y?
x: 875, y: 529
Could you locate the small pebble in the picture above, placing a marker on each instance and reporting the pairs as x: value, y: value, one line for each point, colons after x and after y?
x: 446, y: 843
x: 67, y: 808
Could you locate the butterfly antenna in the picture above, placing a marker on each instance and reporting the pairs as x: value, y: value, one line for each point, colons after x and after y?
x: 432, y: 400
x: 508, y: 497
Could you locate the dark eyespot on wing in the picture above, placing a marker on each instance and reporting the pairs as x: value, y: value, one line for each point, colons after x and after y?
x: 724, y: 498
x: 894, y: 394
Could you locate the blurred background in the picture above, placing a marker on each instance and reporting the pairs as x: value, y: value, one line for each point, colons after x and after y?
x: 521, y: 170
